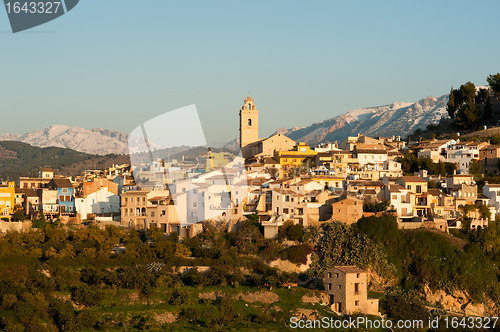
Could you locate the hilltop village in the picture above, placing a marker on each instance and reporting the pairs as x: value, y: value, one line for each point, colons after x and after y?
x: 276, y: 178
x: 365, y: 226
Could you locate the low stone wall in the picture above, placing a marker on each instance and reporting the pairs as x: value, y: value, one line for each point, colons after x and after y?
x: 15, y: 226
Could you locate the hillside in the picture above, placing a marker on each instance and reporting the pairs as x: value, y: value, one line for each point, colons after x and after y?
x: 21, y: 159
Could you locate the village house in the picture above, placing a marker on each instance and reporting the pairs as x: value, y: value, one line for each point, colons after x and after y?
x: 374, y: 154
x: 99, y: 201
x: 28, y: 200
x: 347, y: 291
x: 292, y: 161
x: 488, y: 158
x: 492, y: 191
x: 400, y: 200
x: 65, y: 195
x: 134, y: 204
x: 347, y: 210
x: 7, y: 199
x: 463, y: 153
x: 462, y: 186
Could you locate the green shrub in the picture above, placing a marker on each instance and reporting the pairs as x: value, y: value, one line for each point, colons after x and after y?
x: 298, y: 254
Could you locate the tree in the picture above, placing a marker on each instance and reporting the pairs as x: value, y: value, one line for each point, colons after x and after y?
x: 468, y: 92
x: 475, y: 169
x: 192, y: 315
x: 40, y: 222
x: 18, y: 216
x: 494, y: 82
x: 482, y: 95
x: 487, y: 110
x: 451, y: 104
x: 467, y: 116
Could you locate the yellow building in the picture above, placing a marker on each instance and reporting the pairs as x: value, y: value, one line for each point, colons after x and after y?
x: 292, y: 161
x: 7, y: 197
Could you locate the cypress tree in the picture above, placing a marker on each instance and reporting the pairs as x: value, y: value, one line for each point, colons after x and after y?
x: 487, y: 110
x: 451, y: 104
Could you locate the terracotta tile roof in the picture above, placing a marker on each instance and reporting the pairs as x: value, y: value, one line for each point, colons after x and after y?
x: 412, y: 179
x: 435, y: 192
x: 61, y: 183
x: 395, y: 188
x: 350, y: 269
x: 371, y: 151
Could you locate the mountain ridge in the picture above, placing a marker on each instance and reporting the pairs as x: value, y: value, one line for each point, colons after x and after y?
x: 394, y: 119
x: 93, y: 141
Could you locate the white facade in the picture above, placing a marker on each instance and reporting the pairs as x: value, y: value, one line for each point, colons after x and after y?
x: 101, y: 201
x: 492, y: 191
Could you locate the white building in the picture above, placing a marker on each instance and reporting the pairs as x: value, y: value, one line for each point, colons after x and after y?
x: 492, y: 191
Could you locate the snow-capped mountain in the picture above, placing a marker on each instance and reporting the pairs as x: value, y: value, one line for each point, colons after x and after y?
x: 398, y: 119
x: 94, y: 141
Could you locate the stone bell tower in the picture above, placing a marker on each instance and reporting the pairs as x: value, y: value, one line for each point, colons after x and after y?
x: 249, y: 126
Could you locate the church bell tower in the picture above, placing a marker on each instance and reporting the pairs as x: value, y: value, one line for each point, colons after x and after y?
x: 249, y: 126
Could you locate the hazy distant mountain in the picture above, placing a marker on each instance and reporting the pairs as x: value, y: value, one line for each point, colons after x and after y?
x: 96, y: 141
x: 398, y: 119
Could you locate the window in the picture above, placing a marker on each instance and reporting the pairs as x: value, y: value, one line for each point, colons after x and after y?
x: 408, y: 187
x: 357, y: 275
x: 329, y: 286
x: 356, y: 303
x: 125, y: 200
x: 194, y: 204
x: 65, y: 190
x: 339, y: 286
x: 163, y: 212
x: 152, y: 213
x: 195, y: 191
x: 287, y: 198
x: 356, y: 289
x: 68, y: 198
x: 329, y: 274
x: 419, y: 189
x: 249, y: 120
x: 285, y: 211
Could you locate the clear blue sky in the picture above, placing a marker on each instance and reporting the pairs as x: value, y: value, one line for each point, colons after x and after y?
x: 118, y: 63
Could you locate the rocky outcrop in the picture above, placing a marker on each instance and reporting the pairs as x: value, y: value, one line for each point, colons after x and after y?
x: 262, y: 296
x: 378, y: 283
x: 313, y: 299
x: 287, y: 266
x: 459, y: 302
x: 306, y: 314
x: 166, y: 317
